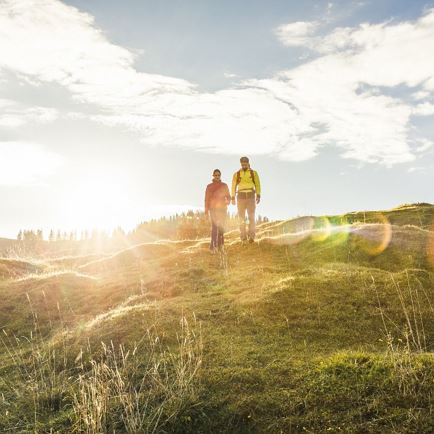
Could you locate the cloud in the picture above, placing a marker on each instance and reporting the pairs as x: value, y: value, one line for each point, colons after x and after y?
x: 229, y: 121
x: 342, y: 88
x: 424, y: 109
x: 368, y: 127
x: 343, y: 98
x: 385, y: 54
x: 298, y: 33
x: 26, y: 163
x: 54, y: 42
x: 13, y: 114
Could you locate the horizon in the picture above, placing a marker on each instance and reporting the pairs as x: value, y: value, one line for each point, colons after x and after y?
x: 113, y: 114
x: 109, y: 231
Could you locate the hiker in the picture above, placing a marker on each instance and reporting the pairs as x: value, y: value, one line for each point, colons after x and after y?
x: 217, y: 199
x: 246, y: 184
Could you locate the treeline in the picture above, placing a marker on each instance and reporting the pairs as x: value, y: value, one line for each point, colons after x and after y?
x: 187, y: 225
x: 31, y: 236
x: 31, y: 242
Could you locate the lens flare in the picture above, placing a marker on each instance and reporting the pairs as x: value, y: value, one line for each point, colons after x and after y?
x: 374, y: 237
x: 339, y: 228
x: 321, y: 229
x: 291, y: 231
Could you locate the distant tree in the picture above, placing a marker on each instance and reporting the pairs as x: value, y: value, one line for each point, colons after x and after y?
x: 188, y: 225
x: 29, y: 237
x: 51, y: 236
x: 118, y: 233
x: 20, y: 236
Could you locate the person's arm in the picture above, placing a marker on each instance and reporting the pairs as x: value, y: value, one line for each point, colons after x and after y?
x: 207, y: 199
x: 257, y: 187
x: 234, y: 186
x: 227, y: 195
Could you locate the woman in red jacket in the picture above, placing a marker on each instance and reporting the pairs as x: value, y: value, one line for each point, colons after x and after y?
x: 217, y: 199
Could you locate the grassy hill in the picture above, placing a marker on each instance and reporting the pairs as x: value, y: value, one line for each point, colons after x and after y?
x: 326, y: 324
x: 6, y: 244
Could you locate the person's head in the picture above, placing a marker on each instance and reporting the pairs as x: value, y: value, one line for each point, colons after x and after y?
x: 216, y: 175
x: 244, y: 163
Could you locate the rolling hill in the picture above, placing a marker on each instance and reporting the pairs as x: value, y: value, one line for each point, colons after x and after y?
x: 325, y: 324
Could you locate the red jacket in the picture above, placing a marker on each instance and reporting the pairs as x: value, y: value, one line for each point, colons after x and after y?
x: 217, y: 195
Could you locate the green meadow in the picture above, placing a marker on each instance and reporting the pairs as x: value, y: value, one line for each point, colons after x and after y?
x: 324, y: 325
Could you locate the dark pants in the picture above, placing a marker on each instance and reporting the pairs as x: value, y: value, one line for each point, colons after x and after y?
x: 246, y: 204
x: 218, y: 221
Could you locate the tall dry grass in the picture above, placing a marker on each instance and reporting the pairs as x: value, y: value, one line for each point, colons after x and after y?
x: 110, y: 388
x: 408, y: 332
x: 405, y: 337
x: 141, y: 389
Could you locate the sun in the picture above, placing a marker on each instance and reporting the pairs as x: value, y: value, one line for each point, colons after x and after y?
x: 98, y: 199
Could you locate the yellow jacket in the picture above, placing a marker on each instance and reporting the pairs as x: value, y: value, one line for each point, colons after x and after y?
x: 246, y: 183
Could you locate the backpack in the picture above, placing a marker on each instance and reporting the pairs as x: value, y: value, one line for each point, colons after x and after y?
x: 252, y: 174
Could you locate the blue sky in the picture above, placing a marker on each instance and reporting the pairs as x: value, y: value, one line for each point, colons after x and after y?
x: 114, y: 112
x: 201, y: 40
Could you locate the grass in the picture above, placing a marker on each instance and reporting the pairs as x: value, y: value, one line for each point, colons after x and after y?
x: 309, y: 330
x: 102, y: 388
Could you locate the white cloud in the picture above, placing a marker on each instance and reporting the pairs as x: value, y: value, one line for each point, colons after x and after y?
x: 369, y: 126
x: 420, y: 94
x: 13, y: 114
x: 229, y: 121
x: 327, y: 101
x: 298, y: 33
x: 417, y: 169
x: 422, y: 145
x: 25, y: 163
x: 53, y: 42
x: 424, y: 109
x: 384, y: 54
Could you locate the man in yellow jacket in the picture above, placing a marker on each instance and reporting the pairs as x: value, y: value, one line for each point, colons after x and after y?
x: 247, y: 188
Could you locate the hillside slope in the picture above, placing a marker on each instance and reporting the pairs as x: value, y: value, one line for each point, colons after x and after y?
x: 5, y: 244
x: 324, y: 325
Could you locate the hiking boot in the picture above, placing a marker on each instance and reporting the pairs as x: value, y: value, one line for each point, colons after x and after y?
x: 251, y: 240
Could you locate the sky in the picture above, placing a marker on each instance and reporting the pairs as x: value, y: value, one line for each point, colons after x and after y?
x: 112, y: 113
